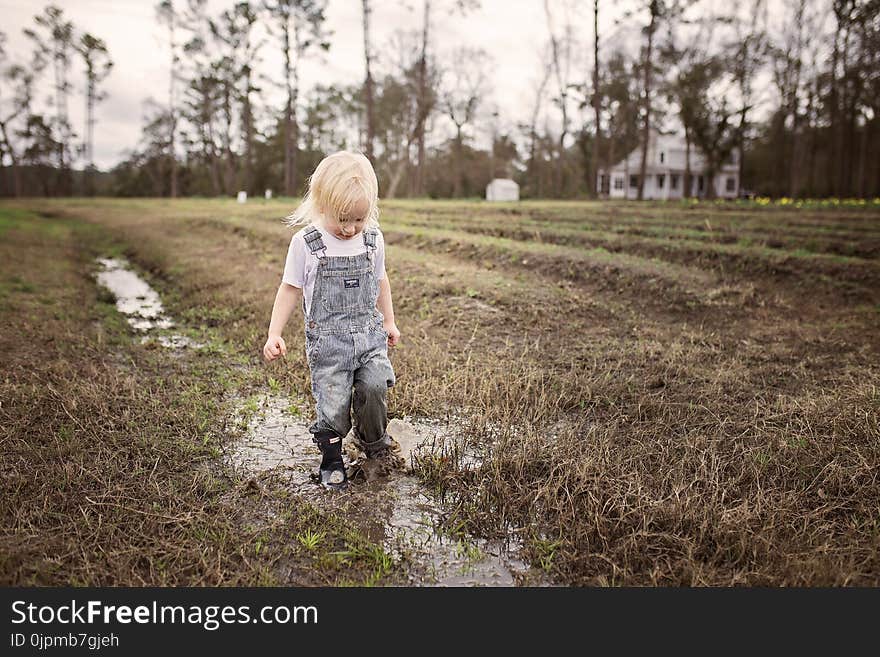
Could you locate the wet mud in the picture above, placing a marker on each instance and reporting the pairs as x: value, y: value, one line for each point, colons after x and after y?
x: 140, y: 304
x: 276, y: 439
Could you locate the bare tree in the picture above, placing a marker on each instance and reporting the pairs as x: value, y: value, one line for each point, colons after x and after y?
x: 691, y: 70
x: 246, y: 19
x: 414, y: 107
x: 16, y: 109
x: 868, y: 36
x: 493, y: 138
x: 654, y: 9
x: 596, y: 98
x: 539, y: 91
x: 54, y: 39
x: 201, y: 101
x: 749, y: 48
x: 166, y: 15
x: 844, y: 12
x: 426, y: 93
x: 711, y: 120
x: 98, y: 65
x: 621, y: 95
x: 368, y: 80
x: 851, y: 75
x: 152, y: 158
x: 425, y: 102
x: 298, y: 25
x: 787, y: 60
x: 201, y: 105
x: 232, y: 35
x: 466, y: 84
x: 561, y: 49
x: 226, y: 77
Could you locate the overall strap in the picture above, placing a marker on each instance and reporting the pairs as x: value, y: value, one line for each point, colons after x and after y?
x: 312, y: 236
x: 370, y: 239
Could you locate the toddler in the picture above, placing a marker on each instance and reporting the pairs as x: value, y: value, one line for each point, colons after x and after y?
x: 335, y: 270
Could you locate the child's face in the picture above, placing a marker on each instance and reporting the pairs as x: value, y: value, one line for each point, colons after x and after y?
x: 350, y: 223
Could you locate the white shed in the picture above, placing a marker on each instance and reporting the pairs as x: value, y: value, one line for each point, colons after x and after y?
x: 502, y: 189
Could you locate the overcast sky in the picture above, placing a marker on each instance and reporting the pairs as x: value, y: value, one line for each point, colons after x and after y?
x: 511, y: 31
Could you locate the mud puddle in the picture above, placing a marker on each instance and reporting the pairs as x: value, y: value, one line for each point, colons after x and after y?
x: 140, y: 304
x: 277, y: 440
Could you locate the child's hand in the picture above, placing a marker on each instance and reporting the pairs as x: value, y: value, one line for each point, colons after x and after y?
x: 274, y: 348
x: 393, y: 334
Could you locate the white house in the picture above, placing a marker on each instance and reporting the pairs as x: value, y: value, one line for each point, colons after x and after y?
x: 502, y: 189
x: 664, y: 172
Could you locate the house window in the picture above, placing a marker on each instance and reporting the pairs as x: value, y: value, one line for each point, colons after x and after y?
x: 618, y: 182
x: 662, y: 157
x: 673, y: 181
x: 661, y: 180
x: 731, y: 184
x: 633, y: 181
x: 700, y: 183
x: 603, y: 183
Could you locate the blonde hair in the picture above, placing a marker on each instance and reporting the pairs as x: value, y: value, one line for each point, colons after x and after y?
x: 339, y: 181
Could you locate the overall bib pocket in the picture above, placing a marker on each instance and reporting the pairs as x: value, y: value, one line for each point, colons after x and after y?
x: 344, y: 291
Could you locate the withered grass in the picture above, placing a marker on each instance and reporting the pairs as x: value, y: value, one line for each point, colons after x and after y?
x: 636, y: 426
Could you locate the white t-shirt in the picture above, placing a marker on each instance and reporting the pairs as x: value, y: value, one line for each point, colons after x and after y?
x: 301, y: 264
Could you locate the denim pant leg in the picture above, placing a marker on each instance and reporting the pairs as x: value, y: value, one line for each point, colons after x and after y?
x: 371, y: 383
x: 331, y: 387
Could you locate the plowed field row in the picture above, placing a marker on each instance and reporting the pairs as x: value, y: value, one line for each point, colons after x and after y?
x: 856, y: 274
x: 792, y: 239
x: 723, y: 226
x: 676, y: 288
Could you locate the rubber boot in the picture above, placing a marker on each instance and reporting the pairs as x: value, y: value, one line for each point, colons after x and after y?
x: 331, y: 472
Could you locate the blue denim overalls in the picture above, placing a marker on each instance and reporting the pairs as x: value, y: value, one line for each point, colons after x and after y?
x: 347, y: 349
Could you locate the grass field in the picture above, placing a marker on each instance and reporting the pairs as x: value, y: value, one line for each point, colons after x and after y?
x: 660, y: 393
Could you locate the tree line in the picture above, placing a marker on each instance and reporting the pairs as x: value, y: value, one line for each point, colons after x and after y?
x: 793, y: 85
x: 38, y: 147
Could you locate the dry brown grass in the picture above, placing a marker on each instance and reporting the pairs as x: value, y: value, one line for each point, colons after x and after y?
x: 110, y: 473
x: 632, y: 433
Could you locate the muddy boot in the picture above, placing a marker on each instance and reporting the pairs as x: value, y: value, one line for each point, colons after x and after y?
x: 383, y: 454
x: 331, y: 472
